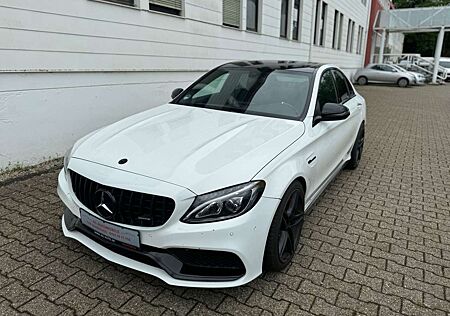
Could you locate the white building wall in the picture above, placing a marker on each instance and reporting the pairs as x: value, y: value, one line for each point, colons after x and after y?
x: 71, y: 66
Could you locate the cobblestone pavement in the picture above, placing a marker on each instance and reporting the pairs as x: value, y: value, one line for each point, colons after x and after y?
x: 376, y: 243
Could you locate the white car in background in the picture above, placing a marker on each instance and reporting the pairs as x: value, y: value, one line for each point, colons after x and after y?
x: 445, y: 63
x: 213, y: 187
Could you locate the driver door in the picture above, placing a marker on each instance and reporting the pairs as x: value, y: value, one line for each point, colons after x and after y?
x: 325, y: 145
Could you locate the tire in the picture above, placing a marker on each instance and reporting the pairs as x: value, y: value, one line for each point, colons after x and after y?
x: 357, y: 150
x: 285, y: 229
x: 362, y: 81
x: 403, y: 82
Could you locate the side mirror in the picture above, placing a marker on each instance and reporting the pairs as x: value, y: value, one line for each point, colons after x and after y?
x: 176, y: 92
x: 333, y: 112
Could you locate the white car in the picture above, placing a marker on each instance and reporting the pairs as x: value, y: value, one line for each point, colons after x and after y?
x: 212, y: 188
x: 445, y: 63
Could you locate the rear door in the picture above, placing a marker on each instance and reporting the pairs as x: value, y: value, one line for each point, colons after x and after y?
x: 377, y: 74
x: 390, y: 74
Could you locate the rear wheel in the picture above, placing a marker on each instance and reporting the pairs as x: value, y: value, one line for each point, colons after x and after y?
x: 357, y: 150
x: 286, y: 228
x: 403, y: 82
x: 362, y: 81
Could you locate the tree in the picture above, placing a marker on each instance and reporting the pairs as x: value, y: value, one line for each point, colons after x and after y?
x: 419, y: 3
x: 423, y: 43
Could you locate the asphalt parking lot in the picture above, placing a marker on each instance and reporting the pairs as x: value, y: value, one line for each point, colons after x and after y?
x: 376, y: 243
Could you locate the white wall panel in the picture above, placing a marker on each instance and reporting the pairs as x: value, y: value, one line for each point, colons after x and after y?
x: 71, y: 66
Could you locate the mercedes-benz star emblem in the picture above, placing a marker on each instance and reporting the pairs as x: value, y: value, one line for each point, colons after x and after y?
x: 104, y: 203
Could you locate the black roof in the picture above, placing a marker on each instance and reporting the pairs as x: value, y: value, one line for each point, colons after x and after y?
x: 275, y: 64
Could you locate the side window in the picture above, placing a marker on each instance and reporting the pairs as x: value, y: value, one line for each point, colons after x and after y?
x: 386, y: 68
x: 376, y: 67
x: 344, y: 88
x: 341, y: 86
x: 327, y: 90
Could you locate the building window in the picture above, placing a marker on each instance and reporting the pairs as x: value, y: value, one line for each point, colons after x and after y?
x: 341, y: 26
x: 231, y: 13
x: 323, y: 23
x: 284, y: 18
x: 296, y: 20
x: 337, y: 29
x: 125, y: 2
x: 252, y: 15
x: 350, y: 33
x: 320, y: 22
x: 359, y: 40
x: 166, y: 6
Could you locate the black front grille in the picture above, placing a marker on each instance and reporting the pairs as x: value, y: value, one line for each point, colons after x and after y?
x: 128, y: 207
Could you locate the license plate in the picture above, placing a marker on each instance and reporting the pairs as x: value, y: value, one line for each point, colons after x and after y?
x: 110, y: 232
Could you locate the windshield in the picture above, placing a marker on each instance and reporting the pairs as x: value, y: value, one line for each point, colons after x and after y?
x: 260, y: 91
x: 445, y: 64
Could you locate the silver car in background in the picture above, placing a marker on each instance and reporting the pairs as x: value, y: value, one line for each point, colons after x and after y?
x: 383, y: 73
x: 420, y: 78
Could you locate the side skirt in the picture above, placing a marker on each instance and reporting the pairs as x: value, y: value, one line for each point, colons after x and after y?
x: 319, y: 191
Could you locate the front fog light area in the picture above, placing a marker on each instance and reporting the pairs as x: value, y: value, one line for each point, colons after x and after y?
x: 224, y: 204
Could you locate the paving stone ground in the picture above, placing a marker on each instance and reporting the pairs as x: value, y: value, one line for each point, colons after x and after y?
x: 376, y: 243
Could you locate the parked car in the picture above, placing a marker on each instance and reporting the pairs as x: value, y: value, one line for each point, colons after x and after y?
x: 211, y: 188
x: 420, y: 79
x: 383, y: 73
x: 445, y: 63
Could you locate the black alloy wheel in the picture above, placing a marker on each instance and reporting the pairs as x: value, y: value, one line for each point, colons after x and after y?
x: 286, y: 229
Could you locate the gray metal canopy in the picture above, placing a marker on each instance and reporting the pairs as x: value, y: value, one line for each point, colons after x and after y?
x: 415, y: 20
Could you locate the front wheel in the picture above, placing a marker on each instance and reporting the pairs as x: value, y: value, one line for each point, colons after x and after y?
x: 362, y: 81
x: 403, y: 82
x: 285, y: 229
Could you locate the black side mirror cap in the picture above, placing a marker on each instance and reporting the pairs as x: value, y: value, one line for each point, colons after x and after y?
x: 176, y: 92
x: 334, y: 112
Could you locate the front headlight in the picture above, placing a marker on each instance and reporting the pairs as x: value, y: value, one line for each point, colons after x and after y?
x: 224, y: 204
x: 66, y: 159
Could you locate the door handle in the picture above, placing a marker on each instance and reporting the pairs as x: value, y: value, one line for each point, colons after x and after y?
x: 359, y: 104
x: 311, y: 160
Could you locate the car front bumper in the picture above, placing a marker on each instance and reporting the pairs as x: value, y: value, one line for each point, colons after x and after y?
x: 243, y: 237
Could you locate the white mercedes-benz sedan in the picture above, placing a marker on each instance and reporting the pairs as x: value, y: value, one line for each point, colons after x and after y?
x: 212, y: 188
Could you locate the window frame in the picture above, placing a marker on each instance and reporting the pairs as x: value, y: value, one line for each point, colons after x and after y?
x: 296, y: 35
x: 323, y: 22
x: 335, y: 29
x: 239, y: 25
x: 165, y: 9
x: 350, y: 91
x: 128, y: 3
x: 318, y: 108
x: 284, y: 26
x: 257, y: 17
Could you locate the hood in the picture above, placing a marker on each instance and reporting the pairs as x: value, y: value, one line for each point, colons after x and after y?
x: 200, y: 149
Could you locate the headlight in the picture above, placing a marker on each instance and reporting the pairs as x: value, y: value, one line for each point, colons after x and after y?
x: 66, y: 159
x: 224, y: 204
